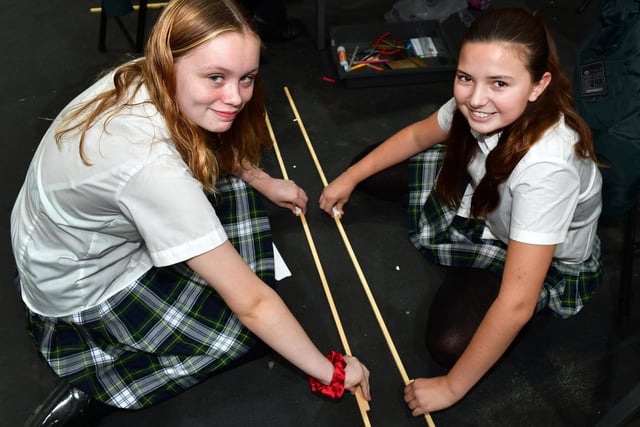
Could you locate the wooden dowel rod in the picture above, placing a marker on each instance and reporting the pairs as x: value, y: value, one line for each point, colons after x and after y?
x: 356, y: 264
x: 306, y: 137
x: 363, y: 405
x: 135, y: 7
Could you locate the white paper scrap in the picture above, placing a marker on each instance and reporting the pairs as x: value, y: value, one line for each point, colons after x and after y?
x: 281, y: 269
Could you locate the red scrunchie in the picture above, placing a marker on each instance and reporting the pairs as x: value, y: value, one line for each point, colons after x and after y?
x: 335, y: 389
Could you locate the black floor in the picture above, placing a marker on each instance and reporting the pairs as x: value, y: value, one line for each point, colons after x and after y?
x: 559, y: 372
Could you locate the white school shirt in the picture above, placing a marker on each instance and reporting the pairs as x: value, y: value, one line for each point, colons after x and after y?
x: 82, y: 233
x: 551, y: 197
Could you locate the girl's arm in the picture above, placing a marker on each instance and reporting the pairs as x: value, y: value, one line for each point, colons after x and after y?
x: 404, y: 144
x: 263, y: 312
x: 525, y: 269
x: 281, y: 192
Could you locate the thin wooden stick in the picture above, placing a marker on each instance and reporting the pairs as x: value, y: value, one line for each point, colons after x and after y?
x: 352, y: 255
x: 363, y: 405
x: 135, y: 7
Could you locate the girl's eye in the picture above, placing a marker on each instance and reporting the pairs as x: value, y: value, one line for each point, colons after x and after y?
x: 464, y: 78
x: 249, y: 79
x: 215, y: 79
x: 500, y: 84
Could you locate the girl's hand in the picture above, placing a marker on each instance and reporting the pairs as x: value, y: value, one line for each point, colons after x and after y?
x: 286, y: 194
x: 281, y: 192
x: 428, y: 395
x: 356, y: 375
x: 336, y: 194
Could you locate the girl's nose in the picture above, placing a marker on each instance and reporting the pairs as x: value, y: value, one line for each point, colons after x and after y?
x: 232, y: 95
x: 478, y: 96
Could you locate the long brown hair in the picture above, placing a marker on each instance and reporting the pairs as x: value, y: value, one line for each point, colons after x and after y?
x: 182, y: 26
x: 528, y: 34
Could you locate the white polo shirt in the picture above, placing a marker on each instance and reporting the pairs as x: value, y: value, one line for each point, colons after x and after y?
x: 82, y: 233
x: 551, y: 197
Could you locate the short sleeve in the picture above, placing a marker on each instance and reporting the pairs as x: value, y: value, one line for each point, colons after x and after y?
x: 445, y: 114
x: 545, y: 196
x: 171, y: 212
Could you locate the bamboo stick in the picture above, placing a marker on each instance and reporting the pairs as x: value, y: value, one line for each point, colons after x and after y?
x: 356, y: 264
x: 363, y: 405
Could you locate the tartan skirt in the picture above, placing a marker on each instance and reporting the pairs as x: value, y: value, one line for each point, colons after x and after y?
x: 169, y: 329
x: 447, y: 239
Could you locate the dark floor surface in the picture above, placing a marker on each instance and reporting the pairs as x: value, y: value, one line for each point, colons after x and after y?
x: 559, y: 372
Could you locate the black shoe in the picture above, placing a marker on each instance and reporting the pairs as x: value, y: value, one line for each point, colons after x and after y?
x: 65, y: 405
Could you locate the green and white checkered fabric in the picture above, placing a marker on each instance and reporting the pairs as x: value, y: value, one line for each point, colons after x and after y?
x: 167, y: 331
x: 448, y: 239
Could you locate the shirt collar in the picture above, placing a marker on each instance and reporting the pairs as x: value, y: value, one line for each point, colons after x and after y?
x: 486, y: 142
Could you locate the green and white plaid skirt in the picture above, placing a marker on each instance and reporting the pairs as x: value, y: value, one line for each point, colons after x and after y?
x: 448, y: 239
x: 168, y: 330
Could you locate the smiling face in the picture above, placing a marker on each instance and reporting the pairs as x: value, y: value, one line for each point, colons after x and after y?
x: 493, y: 86
x: 215, y: 80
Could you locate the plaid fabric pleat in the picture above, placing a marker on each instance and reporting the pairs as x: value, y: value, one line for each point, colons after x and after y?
x: 447, y: 239
x: 169, y: 329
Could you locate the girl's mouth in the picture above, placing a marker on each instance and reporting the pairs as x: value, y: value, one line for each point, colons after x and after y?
x: 480, y: 115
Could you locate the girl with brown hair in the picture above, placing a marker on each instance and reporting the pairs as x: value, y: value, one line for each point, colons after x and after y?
x: 502, y: 178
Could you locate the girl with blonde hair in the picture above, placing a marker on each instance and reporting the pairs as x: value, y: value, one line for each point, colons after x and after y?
x: 144, y: 255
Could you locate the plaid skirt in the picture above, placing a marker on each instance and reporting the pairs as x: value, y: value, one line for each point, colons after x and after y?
x: 447, y: 239
x: 169, y: 329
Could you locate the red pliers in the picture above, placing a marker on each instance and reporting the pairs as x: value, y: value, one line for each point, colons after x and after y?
x: 387, y: 47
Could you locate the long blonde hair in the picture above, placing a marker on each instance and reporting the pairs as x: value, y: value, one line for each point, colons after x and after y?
x: 182, y: 26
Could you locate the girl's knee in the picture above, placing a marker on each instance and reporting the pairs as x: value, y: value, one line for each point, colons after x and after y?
x: 445, y: 345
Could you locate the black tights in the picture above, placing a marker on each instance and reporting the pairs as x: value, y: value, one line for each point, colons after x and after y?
x: 456, y: 311
x: 466, y: 293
